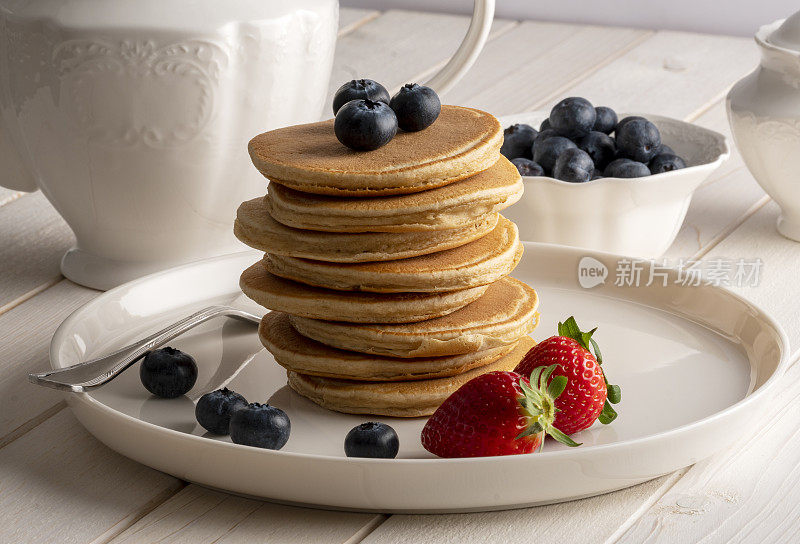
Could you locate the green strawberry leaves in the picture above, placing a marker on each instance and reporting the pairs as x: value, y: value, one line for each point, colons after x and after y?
x: 570, y: 329
x: 538, y: 400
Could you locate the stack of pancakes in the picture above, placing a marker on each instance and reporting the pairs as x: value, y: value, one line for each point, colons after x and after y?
x: 387, y: 270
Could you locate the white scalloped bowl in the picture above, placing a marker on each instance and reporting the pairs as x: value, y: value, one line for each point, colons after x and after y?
x: 639, y: 217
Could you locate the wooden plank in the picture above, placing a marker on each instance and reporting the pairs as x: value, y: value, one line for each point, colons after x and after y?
x: 399, y: 47
x: 709, y: 216
x: 34, y: 239
x: 58, y: 484
x: 584, y: 521
x: 778, y: 290
x: 676, y: 74
x: 750, y: 493
x: 352, y: 18
x: 197, y: 515
x: 25, y: 332
x: 535, y: 61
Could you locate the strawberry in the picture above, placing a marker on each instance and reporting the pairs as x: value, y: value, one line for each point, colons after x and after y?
x: 497, y: 413
x: 588, y: 395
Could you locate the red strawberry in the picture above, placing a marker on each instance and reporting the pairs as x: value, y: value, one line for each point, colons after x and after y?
x: 588, y: 395
x: 498, y: 413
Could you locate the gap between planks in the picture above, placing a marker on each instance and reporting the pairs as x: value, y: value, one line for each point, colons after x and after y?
x: 427, y: 73
x: 10, y: 196
x: 368, y: 529
x: 119, y: 527
x: 730, y: 228
x: 648, y: 504
x: 30, y: 294
x: 621, y: 52
x: 355, y: 25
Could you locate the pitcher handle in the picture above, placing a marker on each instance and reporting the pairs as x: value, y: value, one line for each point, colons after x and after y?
x: 468, y: 51
x: 15, y: 174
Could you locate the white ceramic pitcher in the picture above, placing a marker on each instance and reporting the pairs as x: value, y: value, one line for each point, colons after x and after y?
x: 133, y: 116
x: 764, y: 114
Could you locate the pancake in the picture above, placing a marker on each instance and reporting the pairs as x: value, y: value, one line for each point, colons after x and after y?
x: 452, y: 206
x: 396, y: 399
x: 309, y: 158
x: 256, y: 228
x: 479, y: 262
x: 285, y: 295
x: 505, y: 312
x: 293, y: 351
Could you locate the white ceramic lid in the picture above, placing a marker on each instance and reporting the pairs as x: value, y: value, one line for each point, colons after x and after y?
x: 787, y: 35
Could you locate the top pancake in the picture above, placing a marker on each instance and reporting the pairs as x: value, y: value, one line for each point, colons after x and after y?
x: 309, y: 158
x: 448, y: 207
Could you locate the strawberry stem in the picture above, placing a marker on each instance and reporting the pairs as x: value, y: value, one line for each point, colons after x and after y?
x: 538, y: 400
x: 570, y: 329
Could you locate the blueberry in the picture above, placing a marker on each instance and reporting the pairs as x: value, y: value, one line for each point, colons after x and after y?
x: 546, y: 152
x: 597, y: 174
x: 638, y: 140
x: 372, y: 439
x: 600, y: 147
x: 545, y: 125
x: 574, y: 165
x: 518, y: 141
x: 573, y: 117
x: 606, y: 120
x: 213, y: 411
x: 626, y: 168
x: 665, y: 149
x: 261, y: 426
x: 608, y: 171
x: 542, y: 136
x: 666, y: 162
x: 168, y: 372
x: 416, y: 107
x: 624, y: 121
x: 365, y: 125
x: 359, y: 89
x: 527, y: 167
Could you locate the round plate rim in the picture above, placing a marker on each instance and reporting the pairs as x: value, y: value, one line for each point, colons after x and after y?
x: 567, y: 455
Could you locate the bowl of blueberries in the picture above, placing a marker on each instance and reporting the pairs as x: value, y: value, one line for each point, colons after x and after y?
x: 619, y: 183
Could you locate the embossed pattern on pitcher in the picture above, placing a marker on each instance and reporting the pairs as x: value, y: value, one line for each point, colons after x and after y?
x: 94, y: 74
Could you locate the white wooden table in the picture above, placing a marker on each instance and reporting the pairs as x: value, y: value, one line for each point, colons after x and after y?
x: 58, y: 484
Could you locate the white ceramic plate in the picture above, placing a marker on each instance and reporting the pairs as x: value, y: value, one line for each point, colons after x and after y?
x: 694, y: 365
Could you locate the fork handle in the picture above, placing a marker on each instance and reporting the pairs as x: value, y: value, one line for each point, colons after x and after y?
x: 87, y: 375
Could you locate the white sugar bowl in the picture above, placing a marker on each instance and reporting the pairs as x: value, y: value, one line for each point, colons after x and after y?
x: 764, y: 113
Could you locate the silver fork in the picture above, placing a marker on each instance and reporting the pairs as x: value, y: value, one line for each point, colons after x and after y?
x: 90, y: 374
